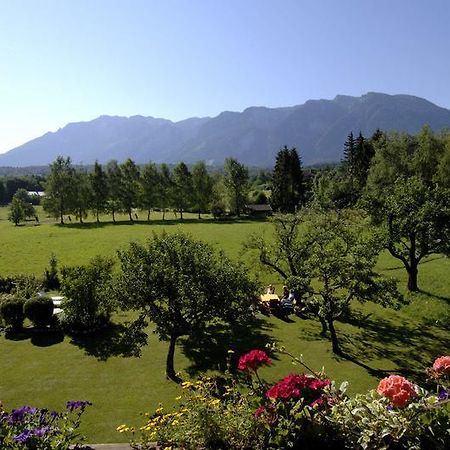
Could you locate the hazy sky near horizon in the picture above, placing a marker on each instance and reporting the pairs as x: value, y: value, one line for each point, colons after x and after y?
x: 72, y: 60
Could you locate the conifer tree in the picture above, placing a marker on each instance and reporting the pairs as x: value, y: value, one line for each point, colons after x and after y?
x: 99, y: 187
x: 287, y: 181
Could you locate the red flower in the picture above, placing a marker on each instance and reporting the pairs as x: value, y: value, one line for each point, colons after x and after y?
x: 442, y: 365
x: 397, y: 389
x: 254, y: 360
x: 260, y: 411
x: 295, y: 385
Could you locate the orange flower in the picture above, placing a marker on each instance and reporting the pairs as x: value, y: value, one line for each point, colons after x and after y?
x: 397, y: 389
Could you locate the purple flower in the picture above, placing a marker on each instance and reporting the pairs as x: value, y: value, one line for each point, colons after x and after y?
x: 24, y: 436
x: 17, y: 415
x: 77, y: 404
x: 39, y: 432
x: 389, y: 408
x: 443, y: 394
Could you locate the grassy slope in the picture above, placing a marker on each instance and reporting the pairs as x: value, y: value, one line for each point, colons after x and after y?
x: 47, y: 371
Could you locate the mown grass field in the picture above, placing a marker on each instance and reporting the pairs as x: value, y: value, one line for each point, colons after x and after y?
x: 48, y: 370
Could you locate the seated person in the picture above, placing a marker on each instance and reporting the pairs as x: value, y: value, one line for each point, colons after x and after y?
x: 288, y: 298
x: 270, y: 289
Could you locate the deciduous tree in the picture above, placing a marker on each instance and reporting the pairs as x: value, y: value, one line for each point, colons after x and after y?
x: 60, y: 188
x: 236, y: 184
x: 181, y: 285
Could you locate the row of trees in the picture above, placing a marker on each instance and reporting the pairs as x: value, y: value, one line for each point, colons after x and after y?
x: 124, y: 187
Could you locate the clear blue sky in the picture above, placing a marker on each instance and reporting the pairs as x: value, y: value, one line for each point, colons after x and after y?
x: 63, y: 61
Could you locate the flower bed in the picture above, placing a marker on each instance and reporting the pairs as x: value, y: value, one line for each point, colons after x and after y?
x: 303, y: 410
x: 40, y: 429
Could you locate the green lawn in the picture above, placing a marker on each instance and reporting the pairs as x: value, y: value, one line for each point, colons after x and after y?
x: 48, y: 370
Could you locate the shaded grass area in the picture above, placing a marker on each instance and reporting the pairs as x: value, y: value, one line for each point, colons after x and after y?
x: 123, y: 380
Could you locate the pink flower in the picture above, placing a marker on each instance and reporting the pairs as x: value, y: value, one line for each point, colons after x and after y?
x: 397, y: 389
x: 254, y: 360
x: 442, y: 365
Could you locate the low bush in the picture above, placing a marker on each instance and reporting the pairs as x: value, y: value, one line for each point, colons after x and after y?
x: 26, y: 286
x: 39, y: 310
x: 30, y: 428
x: 11, y: 311
x: 6, y: 285
x: 303, y: 410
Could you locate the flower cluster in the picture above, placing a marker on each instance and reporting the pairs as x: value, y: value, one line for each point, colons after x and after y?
x: 295, y: 386
x: 254, y: 360
x: 442, y: 365
x: 30, y: 427
x: 397, y: 389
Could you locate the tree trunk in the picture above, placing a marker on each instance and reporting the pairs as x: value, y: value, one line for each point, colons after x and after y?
x: 170, y: 371
x: 199, y: 214
x: 62, y: 218
x: 324, y: 326
x: 148, y: 216
x: 81, y: 216
x: 181, y: 214
x: 98, y: 220
x: 412, y: 278
x: 114, y: 217
x: 129, y: 214
x: 164, y: 214
x: 334, y: 339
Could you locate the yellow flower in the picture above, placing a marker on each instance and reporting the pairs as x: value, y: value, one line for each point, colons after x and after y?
x: 167, y: 448
x: 178, y: 398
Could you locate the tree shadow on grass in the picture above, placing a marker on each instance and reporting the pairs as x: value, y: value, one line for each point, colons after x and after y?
x: 116, y: 340
x: 431, y: 295
x: 209, y: 350
x: 410, y: 347
x: 167, y: 222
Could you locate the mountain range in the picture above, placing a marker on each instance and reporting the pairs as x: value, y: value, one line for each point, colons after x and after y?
x: 317, y: 128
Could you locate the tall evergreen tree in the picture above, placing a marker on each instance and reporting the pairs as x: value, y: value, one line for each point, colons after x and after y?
x: 59, y: 189
x: 99, y: 186
x: 364, y: 153
x: 349, y: 154
x: 287, y: 181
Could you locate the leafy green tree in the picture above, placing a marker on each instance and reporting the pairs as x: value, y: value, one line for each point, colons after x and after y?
x: 404, y: 195
x: 114, y: 182
x: 202, y: 187
x: 22, y: 195
x: 182, y: 285
x: 16, y: 211
x: 129, y: 186
x: 236, y: 184
x: 328, y: 259
x: 287, y: 181
x: 60, y: 188
x: 149, y: 182
x: 183, y: 189
x: 165, y: 186
x: 82, y: 195
x: 416, y: 221
x: 99, y: 189
x: 88, y: 303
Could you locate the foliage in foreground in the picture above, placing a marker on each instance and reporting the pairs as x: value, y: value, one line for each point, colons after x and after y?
x: 301, y: 411
x: 35, y: 428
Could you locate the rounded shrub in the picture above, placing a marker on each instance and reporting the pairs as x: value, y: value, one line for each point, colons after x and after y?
x: 11, y: 311
x: 39, y: 310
